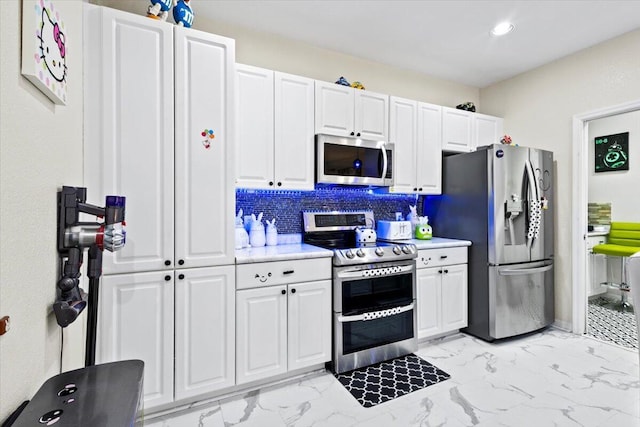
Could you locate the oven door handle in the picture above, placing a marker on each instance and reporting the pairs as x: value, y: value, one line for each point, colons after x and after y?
x: 395, y: 270
x: 372, y: 315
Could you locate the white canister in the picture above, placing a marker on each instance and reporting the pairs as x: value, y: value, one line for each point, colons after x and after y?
x: 257, y: 236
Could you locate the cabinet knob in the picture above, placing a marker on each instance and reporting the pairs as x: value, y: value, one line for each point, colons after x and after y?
x: 293, y: 291
x: 415, y: 189
x: 440, y: 271
x: 420, y: 189
x: 352, y: 133
x: 279, y: 184
x: 283, y: 292
x: 181, y: 276
x: 181, y: 262
x: 358, y: 134
x: 446, y: 271
x: 167, y: 278
x: 287, y: 272
x: 271, y: 183
x: 167, y: 262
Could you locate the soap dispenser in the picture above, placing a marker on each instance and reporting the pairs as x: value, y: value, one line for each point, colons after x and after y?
x: 272, y: 233
x: 242, y: 238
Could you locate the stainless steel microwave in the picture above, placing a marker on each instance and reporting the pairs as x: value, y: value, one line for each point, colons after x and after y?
x: 353, y: 161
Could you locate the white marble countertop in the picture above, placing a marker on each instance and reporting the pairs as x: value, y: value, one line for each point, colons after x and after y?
x: 280, y: 253
x: 436, y: 242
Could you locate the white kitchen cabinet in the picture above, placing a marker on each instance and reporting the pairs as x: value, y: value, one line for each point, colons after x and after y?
x: 179, y: 209
x: 464, y: 131
x: 204, y: 330
x: 415, y: 129
x: 275, y: 130
x: 487, y: 130
x: 283, y: 317
x: 136, y: 322
x: 457, y: 130
x: 442, y: 294
x: 345, y: 111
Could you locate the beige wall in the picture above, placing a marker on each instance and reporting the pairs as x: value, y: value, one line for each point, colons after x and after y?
x: 538, y: 107
x: 40, y: 150
x: 277, y: 53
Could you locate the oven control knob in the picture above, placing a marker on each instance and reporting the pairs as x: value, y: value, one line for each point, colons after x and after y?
x: 379, y: 251
x: 349, y: 254
x: 397, y: 250
x: 360, y: 253
x: 406, y: 249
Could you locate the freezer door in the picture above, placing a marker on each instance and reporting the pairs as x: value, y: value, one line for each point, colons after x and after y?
x: 521, y: 298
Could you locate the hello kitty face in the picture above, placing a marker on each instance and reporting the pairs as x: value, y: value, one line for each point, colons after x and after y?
x: 52, y: 47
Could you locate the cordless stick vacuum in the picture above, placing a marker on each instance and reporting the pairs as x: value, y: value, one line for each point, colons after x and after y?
x: 73, y: 238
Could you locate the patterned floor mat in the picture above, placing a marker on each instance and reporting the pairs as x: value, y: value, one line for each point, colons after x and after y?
x: 387, y: 380
x: 608, y: 324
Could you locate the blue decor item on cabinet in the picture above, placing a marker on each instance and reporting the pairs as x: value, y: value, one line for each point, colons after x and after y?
x: 159, y: 9
x: 183, y: 14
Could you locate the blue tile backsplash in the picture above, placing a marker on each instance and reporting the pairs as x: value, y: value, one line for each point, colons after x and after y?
x: 286, y: 206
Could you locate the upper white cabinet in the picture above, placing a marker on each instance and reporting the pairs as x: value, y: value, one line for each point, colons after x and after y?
x: 457, y: 130
x: 464, y: 131
x: 345, y: 111
x: 179, y: 209
x: 275, y: 129
x: 416, y: 132
x: 487, y: 129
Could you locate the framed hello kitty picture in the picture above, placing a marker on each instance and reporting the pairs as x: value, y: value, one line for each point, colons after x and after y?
x: 44, y: 48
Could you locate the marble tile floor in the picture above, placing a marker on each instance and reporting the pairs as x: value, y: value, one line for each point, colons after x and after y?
x: 605, y: 321
x: 550, y: 378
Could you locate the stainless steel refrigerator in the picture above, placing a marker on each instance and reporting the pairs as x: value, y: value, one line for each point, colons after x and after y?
x: 501, y: 198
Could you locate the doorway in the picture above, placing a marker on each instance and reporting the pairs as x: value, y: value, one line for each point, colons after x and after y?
x: 579, y: 207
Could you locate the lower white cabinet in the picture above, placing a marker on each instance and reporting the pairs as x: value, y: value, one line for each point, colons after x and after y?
x: 204, y: 330
x: 442, y: 295
x: 156, y: 316
x: 281, y: 327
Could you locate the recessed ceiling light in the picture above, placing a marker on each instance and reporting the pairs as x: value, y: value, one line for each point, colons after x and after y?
x: 502, y: 28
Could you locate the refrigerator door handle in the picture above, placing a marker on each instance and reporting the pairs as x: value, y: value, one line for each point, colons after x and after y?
x: 522, y: 271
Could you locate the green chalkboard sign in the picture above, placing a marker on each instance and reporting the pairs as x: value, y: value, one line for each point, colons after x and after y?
x: 612, y: 152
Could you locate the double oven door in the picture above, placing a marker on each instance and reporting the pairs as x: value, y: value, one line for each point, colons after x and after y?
x: 374, y: 313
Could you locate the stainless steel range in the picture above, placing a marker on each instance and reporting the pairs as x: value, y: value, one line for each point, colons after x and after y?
x: 373, y: 290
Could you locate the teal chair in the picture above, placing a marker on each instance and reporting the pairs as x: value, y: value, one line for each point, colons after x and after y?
x: 623, y: 241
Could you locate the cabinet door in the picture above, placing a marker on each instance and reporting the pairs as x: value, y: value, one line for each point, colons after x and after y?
x: 402, y: 133
x: 261, y: 333
x: 428, y: 299
x: 371, y: 115
x: 254, y: 157
x: 454, y: 297
x: 128, y: 148
x: 334, y: 109
x: 294, y: 132
x: 456, y: 130
x: 136, y: 322
x: 205, y: 198
x: 487, y: 130
x: 309, y: 331
x: 429, y: 149
x: 204, y: 330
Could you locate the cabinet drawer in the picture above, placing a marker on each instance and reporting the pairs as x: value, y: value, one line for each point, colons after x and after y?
x: 442, y: 256
x: 282, y: 272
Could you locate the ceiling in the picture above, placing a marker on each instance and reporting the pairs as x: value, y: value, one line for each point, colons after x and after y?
x: 445, y: 39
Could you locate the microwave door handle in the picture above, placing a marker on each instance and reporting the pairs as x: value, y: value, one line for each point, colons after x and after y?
x: 385, y: 161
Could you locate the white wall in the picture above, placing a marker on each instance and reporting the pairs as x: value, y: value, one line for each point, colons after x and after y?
x: 538, y: 107
x: 40, y: 150
x: 620, y: 188
x: 277, y: 53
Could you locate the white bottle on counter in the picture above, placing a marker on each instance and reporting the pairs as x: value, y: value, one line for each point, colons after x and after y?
x: 272, y: 233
